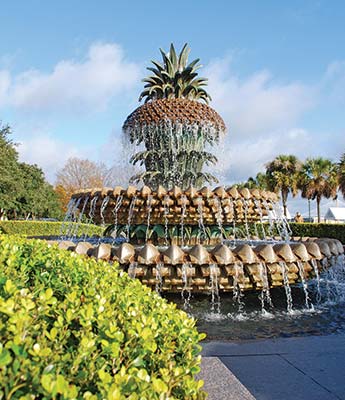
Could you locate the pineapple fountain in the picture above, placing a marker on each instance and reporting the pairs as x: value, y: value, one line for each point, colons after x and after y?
x: 181, y: 236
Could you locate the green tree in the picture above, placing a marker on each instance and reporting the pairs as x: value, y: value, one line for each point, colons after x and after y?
x: 283, y: 176
x: 37, y: 198
x: 318, y: 178
x: 23, y: 188
x: 341, y: 174
x: 259, y: 182
x: 10, y: 182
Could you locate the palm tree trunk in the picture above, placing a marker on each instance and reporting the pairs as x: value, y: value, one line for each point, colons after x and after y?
x: 318, y: 201
x: 284, y: 201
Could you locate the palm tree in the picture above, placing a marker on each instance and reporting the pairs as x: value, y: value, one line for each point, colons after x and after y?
x: 318, y: 179
x: 283, y: 175
x: 175, y: 124
x: 341, y: 174
x: 259, y: 182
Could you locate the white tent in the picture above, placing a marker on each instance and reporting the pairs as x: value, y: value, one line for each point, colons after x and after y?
x: 335, y: 214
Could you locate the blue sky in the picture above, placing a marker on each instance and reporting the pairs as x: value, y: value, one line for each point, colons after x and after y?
x: 70, y: 73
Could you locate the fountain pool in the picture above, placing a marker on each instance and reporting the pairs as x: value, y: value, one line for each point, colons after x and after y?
x: 324, y: 316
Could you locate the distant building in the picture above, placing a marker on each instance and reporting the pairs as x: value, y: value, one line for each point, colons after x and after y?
x: 335, y: 215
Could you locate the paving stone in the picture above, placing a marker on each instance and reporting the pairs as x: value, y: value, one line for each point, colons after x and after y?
x: 220, y: 383
x: 328, y: 369
x: 270, y: 377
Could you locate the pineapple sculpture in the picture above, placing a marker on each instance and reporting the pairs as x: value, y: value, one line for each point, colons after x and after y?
x: 175, y: 124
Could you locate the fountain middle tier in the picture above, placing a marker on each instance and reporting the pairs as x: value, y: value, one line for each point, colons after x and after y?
x: 218, y: 206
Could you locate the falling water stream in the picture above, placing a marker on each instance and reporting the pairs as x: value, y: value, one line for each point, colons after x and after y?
x: 285, y: 273
x: 149, y: 210
x: 71, y: 205
x: 130, y: 215
x: 201, y: 224
x: 265, y: 295
x: 245, y: 203
x: 259, y: 210
x: 300, y: 265
x: 115, y: 213
x: 74, y: 232
x: 219, y: 217
x: 214, y: 289
x: 186, y: 293
x: 66, y: 226
x: 183, y: 216
x: 237, y: 290
x: 166, y: 221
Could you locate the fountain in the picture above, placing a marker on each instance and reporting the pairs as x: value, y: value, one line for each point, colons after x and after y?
x: 263, y: 264
x: 177, y: 235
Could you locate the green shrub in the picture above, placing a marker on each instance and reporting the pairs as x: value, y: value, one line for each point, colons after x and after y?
x: 45, y: 228
x: 334, y: 231
x: 75, y: 328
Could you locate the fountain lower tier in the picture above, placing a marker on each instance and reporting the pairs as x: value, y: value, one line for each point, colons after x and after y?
x: 199, y: 269
x: 189, y: 207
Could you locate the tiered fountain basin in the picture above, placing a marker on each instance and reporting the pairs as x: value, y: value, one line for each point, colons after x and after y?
x: 176, y: 206
x: 230, y: 265
x: 197, y: 269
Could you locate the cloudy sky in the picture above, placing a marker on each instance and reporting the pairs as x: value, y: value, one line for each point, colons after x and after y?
x: 70, y: 73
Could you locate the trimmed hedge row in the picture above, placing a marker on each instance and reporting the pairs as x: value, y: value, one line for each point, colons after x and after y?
x: 333, y: 231
x: 45, y: 228
x: 75, y: 328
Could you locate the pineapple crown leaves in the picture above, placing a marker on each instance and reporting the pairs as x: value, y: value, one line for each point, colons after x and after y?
x: 174, y: 78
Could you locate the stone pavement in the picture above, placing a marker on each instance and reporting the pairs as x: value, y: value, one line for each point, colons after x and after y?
x: 300, y: 368
x: 220, y: 383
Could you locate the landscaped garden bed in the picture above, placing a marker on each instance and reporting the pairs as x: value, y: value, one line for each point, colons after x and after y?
x: 47, y: 228
x: 333, y: 231
x: 73, y: 327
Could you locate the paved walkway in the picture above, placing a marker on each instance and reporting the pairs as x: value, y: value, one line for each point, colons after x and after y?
x: 304, y: 368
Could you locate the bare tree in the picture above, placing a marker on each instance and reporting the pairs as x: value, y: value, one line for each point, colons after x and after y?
x: 81, y: 174
x: 85, y: 174
x: 120, y: 175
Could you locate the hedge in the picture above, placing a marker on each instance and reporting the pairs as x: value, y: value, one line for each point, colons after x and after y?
x: 45, y: 228
x: 334, y: 231
x: 76, y: 328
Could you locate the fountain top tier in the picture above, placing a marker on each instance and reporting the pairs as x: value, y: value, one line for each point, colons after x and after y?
x: 176, y: 206
x: 178, y: 110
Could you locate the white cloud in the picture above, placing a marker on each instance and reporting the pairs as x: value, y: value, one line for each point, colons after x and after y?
x: 51, y: 154
x: 261, y: 116
x: 333, y: 84
x: 4, y: 85
x: 76, y: 86
x: 48, y: 153
x: 255, y: 105
x: 240, y: 159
